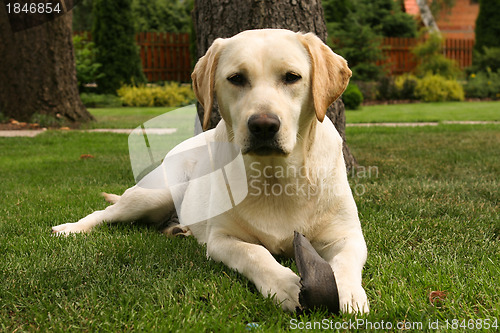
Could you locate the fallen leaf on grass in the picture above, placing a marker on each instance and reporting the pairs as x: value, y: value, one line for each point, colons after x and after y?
x: 86, y: 156
x: 436, y: 298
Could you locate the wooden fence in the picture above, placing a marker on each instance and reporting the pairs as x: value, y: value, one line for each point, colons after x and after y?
x: 399, y: 58
x: 165, y: 56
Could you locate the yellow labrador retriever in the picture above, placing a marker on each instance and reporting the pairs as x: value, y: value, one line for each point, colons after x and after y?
x: 273, y: 88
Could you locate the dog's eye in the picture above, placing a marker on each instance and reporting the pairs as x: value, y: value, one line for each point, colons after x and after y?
x: 237, y: 79
x: 292, y: 77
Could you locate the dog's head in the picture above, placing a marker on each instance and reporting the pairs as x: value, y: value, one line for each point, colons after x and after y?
x: 269, y: 84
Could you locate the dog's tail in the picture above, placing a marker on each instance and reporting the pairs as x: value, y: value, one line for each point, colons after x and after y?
x: 111, y: 198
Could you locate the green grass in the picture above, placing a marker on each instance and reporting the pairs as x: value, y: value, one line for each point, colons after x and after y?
x: 429, y: 207
x: 126, y: 117
x: 424, y: 112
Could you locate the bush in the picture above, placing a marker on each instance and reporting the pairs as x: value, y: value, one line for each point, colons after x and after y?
x: 352, y: 97
x: 435, y: 88
x: 357, y: 28
x: 87, y: 68
x: 161, y: 15
x: 368, y: 89
x: 488, y: 59
x: 100, y: 101
x: 359, y: 45
x: 171, y: 94
x: 386, y: 89
x: 483, y: 85
x: 366, y: 72
x: 487, y: 28
x: 399, y: 24
x: 405, y: 86
x: 114, y: 37
x: 432, y: 60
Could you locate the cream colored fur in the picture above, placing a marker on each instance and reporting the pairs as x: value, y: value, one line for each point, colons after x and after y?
x: 246, y: 237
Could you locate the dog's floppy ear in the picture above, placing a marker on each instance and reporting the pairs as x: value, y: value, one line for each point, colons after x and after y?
x: 329, y: 73
x: 203, y: 79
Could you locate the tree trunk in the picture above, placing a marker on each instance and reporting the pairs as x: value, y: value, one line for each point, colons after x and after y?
x: 221, y: 18
x: 37, y: 69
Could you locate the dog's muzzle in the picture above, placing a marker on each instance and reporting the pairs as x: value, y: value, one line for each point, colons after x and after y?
x: 263, y: 130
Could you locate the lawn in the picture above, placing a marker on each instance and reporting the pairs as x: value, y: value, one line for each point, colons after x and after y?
x: 125, y: 117
x: 418, y: 112
x: 428, y: 200
x: 130, y: 117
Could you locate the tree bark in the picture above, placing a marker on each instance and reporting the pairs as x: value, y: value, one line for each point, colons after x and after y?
x: 37, y: 69
x: 223, y: 18
x: 427, y: 17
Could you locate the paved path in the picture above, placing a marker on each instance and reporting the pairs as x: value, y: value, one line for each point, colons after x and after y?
x: 13, y: 133
x: 33, y: 133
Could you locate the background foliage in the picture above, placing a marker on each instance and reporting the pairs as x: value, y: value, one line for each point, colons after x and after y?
x: 147, y: 15
x: 114, y: 37
x: 487, y: 27
x: 170, y: 94
x: 356, y: 28
x: 87, y: 67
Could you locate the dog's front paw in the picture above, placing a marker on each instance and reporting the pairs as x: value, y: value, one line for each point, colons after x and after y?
x: 352, y: 299
x: 69, y: 228
x: 284, y: 288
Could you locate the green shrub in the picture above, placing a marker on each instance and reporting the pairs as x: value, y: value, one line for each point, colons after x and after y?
x: 435, y: 88
x: 483, y: 85
x: 432, y: 60
x: 114, y: 37
x: 386, y: 89
x: 100, y: 101
x: 87, y: 68
x: 357, y: 28
x: 487, y: 28
x: 368, y: 89
x: 489, y: 58
x: 399, y: 24
x: 366, y: 72
x: 352, y: 97
x: 405, y: 86
x: 171, y: 94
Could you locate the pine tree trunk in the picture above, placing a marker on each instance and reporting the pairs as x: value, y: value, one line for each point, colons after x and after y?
x: 221, y: 18
x: 37, y: 71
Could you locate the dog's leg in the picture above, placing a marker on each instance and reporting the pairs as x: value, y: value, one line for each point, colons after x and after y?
x: 135, y: 204
x: 347, y: 256
x: 257, y: 264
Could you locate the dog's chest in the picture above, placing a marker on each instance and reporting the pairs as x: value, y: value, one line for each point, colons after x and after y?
x: 273, y: 217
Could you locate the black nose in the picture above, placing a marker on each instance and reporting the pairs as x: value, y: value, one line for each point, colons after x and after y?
x: 264, y: 126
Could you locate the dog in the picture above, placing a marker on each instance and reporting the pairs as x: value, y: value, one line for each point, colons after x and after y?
x: 273, y: 88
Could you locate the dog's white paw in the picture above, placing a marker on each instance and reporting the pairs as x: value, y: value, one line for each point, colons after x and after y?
x: 352, y: 299
x: 284, y: 289
x: 177, y: 230
x: 69, y: 228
